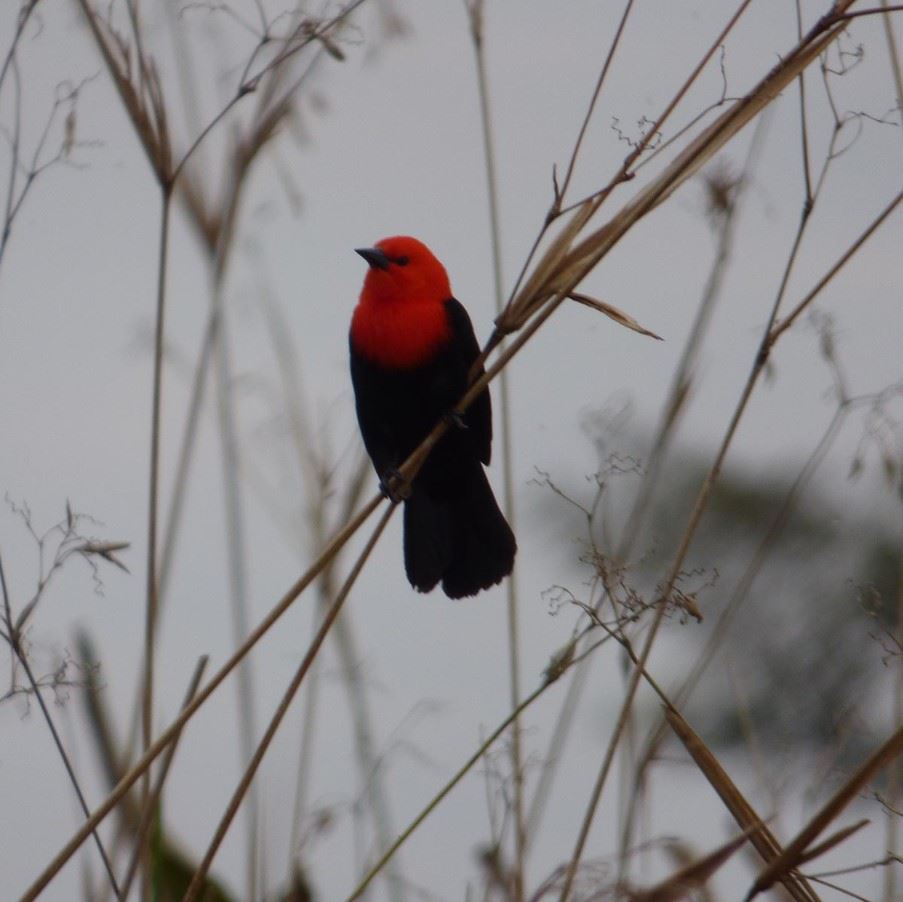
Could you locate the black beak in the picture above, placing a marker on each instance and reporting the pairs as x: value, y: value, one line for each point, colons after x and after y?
x: 374, y: 256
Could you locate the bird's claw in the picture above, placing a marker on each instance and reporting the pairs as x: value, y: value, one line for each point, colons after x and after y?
x: 455, y: 419
x: 394, y: 486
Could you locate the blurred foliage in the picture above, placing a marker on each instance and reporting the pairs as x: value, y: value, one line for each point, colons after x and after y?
x: 803, y: 658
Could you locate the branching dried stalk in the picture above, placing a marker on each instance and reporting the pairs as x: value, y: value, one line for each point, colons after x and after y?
x: 12, y: 632
x: 167, y: 735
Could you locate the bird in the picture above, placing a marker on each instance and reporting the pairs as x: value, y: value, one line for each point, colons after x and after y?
x: 412, y: 348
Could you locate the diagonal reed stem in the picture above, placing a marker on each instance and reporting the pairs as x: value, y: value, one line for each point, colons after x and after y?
x: 197, y: 882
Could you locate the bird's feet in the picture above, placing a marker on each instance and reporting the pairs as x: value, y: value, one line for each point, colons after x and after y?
x: 394, y: 486
x: 455, y: 419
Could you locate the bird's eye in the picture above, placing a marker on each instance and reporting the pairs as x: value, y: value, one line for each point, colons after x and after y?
x: 402, y: 261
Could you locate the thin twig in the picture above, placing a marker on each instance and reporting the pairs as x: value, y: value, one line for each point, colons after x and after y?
x: 487, y: 743
x: 615, y: 41
x: 236, y: 555
x: 151, y: 601
x: 14, y: 637
x: 796, y: 850
x: 166, y: 736
x: 197, y: 882
x: 807, y: 52
x: 781, y: 326
x: 151, y: 808
x: 476, y: 10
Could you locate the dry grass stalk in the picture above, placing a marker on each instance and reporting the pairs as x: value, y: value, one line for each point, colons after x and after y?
x: 796, y: 851
x: 150, y: 809
x: 11, y: 633
x: 692, y: 877
x: 594, y: 248
x: 566, y: 263
x: 318, y: 475
x: 159, y: 745
x: 566, y: 266
x: 198, y: 881
x: 475, y: 10
x: 586, y: 209
x: 780, y: 327
x: 143, y: 101
x: 761, y: 838
x: 835, y: 839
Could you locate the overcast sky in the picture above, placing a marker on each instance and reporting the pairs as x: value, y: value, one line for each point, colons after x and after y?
x: 389, y: 142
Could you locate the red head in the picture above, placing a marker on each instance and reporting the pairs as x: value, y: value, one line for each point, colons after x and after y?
x: 400, y: 319
x: 403, y: 270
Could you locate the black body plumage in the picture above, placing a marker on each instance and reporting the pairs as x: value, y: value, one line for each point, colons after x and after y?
x: 454, y: 532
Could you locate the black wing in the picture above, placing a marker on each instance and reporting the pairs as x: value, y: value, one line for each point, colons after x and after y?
x: 478, y: 416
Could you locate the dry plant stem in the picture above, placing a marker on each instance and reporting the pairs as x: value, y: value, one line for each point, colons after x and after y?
x: 894, y: 55
x: 636, y: 674
x: 560, y: 733
x: 197, y: 882
x: 9, y: 64
x: 744, y: 585
x: 24, y: 15
x: 670, y: 418
x: 186, y: 450
x: 653, y: 198
x: 767, y: 342
x: 150, y: 621
x: 13, y: 637
x: 753, y: 826
x: 150, y: 810
x: 407, y: 470
x: 556, y: 209
x: 144, y: 107
x: 293, y: 402
x: 671, y: 415
x: 681, y: 382
x: 740, y: 594
x: 693, y: 876
x: 561, y: 269
x: 797, y: 850
x: 895, y: 772
x: 552, y: 296
x: 760, y: 836
x: 883, y: 10
x: 237, y: 566
x: 780, y: 327
x: 248, y: 84
x: 219, y: 241
x: 166, y: 736
x: 317, y: 477
x: 369, y: 763
x: 616, y: 40
x: 564, y: 266
x: 553, y: 755
x: 9, y: 212
x: 476, y: 9
x: 370, y: 766
x: 771, y: 333
x: 449, y: 786
x: 305, y: 757
x: 804, y: 131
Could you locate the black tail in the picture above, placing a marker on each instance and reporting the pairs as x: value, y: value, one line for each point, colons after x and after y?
x: 464, y: 540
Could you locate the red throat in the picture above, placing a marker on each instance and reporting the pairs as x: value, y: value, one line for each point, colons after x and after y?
x: 400, y: 321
